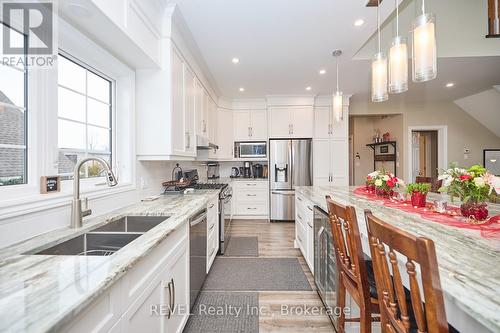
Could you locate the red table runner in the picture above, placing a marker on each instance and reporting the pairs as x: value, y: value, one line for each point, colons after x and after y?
x: 490, y: 229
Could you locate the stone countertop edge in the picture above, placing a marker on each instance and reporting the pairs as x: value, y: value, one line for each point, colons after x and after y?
x: 474, y: 288
x: 179, y: 208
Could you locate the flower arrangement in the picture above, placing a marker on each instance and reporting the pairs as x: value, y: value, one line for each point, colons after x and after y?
x: 418, y: 192
x: 385, y: 182
x: 472, y: 186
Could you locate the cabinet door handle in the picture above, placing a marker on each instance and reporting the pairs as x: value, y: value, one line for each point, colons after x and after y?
x: 213, y: 225
x: 251, y: 208
x: 300, y: 217
x: 204, y: 126
x: 310, y: 226
x: 169, y: 302
x: 251, y: 184
x: 211, y: 206
x: 292, y: 128
x: 187, y: 140
x: 251, y: 131
x: 309, y: 208
x: 251, y: 195
x: 299, y: 198
x: 298, y: 237
x: 172, y: 307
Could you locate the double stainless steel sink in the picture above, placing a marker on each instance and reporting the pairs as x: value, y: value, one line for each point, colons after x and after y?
x: 107, y: 239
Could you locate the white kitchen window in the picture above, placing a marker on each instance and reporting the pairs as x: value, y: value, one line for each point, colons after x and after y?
x: 13, y: 116
x: 85, y: 117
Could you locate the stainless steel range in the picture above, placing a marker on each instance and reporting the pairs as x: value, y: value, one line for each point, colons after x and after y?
x: 225, y: 197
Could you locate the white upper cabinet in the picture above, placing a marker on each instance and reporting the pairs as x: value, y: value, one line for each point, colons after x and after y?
x: 258, y: 128
x: 291, y: 122
x: 224, y: 138
x: 189, y: 111
x: 212, y: 121
x: 325, y: 126
x: 250, y: 125
x: 173, y: 107
x: 241, y: 125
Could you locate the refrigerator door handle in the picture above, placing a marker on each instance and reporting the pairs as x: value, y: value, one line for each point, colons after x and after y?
x: 288, y: 193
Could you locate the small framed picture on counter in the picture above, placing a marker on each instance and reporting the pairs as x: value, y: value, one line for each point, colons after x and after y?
x: 50, y: 184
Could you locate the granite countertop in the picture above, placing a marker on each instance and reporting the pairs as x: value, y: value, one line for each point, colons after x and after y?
x: 41, y: 293
x: 468, y: 263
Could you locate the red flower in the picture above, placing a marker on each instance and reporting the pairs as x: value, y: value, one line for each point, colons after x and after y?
x: 464, y: 178
x: 390, y: 183
x: 368, y: 178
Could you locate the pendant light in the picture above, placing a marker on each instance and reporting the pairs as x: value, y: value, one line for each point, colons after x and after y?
x: 337, y: 96
x: 398, y: 61
x: 424, y: 47
x: 379, y: 70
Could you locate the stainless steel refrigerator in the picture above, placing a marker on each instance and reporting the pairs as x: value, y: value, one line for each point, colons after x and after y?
x: 290, y: 165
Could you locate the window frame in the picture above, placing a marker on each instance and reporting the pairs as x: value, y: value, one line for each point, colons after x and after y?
x: 97, y: 181
x: 27, y: 175
x: 42, y: 143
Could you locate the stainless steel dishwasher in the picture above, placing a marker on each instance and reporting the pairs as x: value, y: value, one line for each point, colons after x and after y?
x: 197, y: 253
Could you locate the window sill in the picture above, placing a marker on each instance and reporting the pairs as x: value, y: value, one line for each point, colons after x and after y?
x: 41, y: 202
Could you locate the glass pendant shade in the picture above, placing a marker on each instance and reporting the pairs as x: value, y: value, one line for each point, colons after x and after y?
x: 424, y: 48
x: 398, y: 66
x: 337, y: 106
x: 379, y: 78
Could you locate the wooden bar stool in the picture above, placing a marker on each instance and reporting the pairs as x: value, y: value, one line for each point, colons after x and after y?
x: 354, y: 268
x: 403, y: 310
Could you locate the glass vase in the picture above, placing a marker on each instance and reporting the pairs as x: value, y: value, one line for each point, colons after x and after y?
x: 383, y: 192
x: 475, y: 210
x: 418, y: 199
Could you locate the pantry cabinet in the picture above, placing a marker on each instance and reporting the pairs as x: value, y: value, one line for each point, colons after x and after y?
x: 326, y: 127
x: 250, y: 125
x: 331, y: 162
x: 291, y: 122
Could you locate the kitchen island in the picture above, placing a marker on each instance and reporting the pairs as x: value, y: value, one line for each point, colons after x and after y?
x: 469, y: 264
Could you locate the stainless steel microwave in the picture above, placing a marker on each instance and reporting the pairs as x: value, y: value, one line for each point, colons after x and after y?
x: 250, y: 149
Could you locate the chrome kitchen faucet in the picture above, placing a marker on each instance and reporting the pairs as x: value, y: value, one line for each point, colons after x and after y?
x: 76, y: 206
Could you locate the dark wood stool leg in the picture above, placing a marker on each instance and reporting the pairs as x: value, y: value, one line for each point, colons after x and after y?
x: 341, y: 295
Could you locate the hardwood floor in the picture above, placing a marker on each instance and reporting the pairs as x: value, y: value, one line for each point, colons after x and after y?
x: 284, y: 311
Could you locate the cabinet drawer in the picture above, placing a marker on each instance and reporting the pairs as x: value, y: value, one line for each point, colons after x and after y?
x: 250, y: 208
x: 212, y: 209
x: 252, y: 195
x: 250, y: 185
x: 301, y: 235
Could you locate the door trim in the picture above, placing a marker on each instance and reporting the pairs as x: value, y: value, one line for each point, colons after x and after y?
x: 442, y: 147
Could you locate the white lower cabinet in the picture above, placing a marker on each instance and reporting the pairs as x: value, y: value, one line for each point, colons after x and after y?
x: 304, y: 229
x: 212, y: 231
x: 142, y: 300
x: 251, y: 199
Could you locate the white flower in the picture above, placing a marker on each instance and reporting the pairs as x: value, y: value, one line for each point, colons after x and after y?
x: 479, y: 181
x: 386, y: 177
x: 374, y: 174
x: 378, y: 182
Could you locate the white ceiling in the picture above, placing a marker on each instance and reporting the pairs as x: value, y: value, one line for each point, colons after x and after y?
x: 282, y: 44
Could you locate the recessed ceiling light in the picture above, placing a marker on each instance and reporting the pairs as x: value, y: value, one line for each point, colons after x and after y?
x: 450, y: 84
x: 308, y: 88
x: 322, y: 71
x: 242, y: 89
x: 359, y: 22
x: 235, y: 60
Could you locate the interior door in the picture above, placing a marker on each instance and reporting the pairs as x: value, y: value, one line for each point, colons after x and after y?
x: 280, y: 164
x: 415, y: 155
x: 301, y: 163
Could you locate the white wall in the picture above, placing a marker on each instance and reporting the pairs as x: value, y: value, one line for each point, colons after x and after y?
x: 463, y: 130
